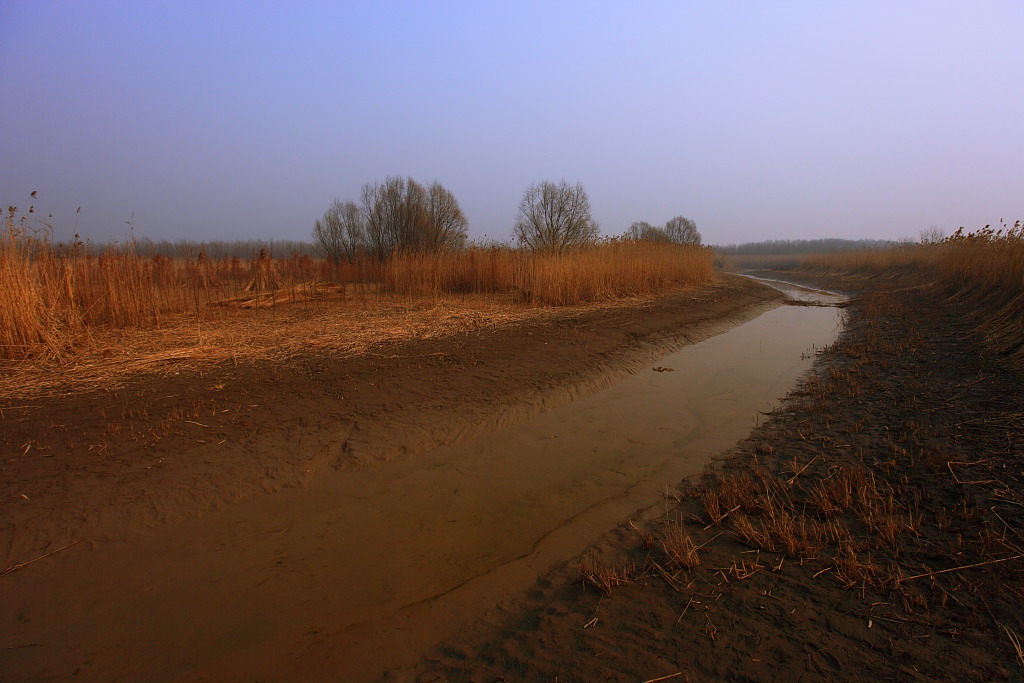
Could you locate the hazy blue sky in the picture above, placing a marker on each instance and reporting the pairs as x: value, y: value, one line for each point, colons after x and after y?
x: 782, y: 120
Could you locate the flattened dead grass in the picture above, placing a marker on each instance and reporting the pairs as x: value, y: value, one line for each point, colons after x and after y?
x: 342, y: 328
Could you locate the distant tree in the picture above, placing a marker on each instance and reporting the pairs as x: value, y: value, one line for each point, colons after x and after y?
x: 931, y: 235
x: 341, y: 233
x: 555, y: 217
x: 218, y: 248
x: 642, y: 230
x: 402, y: 215
x: 682, y: 230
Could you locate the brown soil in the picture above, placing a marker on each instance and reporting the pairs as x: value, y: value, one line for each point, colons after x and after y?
x: 90, y: 470
x: 871, y: 529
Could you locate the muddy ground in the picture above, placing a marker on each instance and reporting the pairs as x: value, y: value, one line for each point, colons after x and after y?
x: 868, y: 530
x: 108, y: 490
x: 169, y: 445
x: 871, y: 529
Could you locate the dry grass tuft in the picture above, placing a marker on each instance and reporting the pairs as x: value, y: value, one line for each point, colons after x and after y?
x: 739, y: 490
x: 679, y: 549
x: 712, y: 501
x: 602, y: 575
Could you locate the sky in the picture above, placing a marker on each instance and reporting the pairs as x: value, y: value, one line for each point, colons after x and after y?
x: 759, y: 120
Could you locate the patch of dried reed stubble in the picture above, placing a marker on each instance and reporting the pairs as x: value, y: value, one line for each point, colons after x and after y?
x: 602, y: 575
x: 738, y: 490
x: 853, y: 569
x: 713, y: 508
x: 832, y: 495
x: 678, y: 547
x: 781, y: 530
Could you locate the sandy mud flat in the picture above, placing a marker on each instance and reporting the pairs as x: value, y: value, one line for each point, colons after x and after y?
x: 140, y: 519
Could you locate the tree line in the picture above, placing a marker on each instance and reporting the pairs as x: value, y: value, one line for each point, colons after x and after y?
x: 400, y: 215
x: 146, y: 247
x: 819, y: 246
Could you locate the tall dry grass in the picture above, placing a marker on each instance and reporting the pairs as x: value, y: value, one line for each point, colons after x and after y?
x: 982, y: 271
x: 35, y: 312
x: 605, y: 271
x: 53, y: 297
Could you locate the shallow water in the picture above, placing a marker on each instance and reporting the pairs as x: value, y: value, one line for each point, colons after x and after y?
x: 363, y: 571
x: 802, y: 293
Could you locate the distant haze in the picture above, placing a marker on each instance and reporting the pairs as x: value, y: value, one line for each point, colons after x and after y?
x: 759, y: 120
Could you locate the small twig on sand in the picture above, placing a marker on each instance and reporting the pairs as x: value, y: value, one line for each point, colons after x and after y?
x: 713, y: 537
x: 722, y: 517
x: 668, y: 577
x: 664, y: 678
x: 977, y: 462
x: 956, y: 569
x: 793, y: 478
x: 684, y: 610
x: 645, y: 538
x: 15, y: 567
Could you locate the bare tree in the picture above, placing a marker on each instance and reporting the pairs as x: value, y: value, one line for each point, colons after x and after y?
x: 682, y: 230
x: 447, y: 225
x: 931, y: 235
x: 402, y: 215
x: 341, y: 233
x: 555, y: 217
x: 642, y: 230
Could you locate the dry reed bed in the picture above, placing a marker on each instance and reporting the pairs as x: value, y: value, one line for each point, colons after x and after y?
x: 981, y: 272
x: 57, y: 301
x: 605, y: 271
